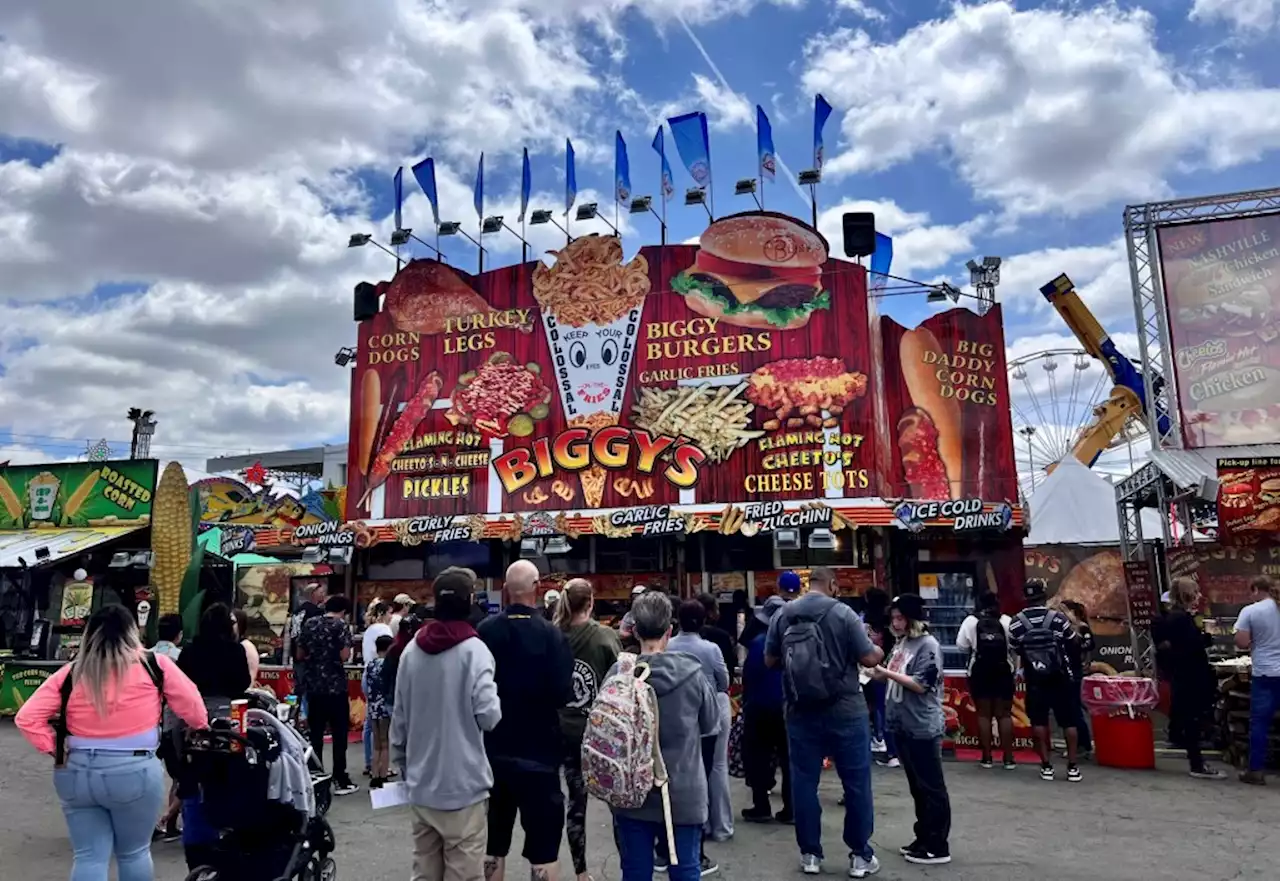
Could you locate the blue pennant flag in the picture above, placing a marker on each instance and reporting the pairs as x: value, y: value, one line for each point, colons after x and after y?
x: 881, y: 261
x: 694, y: 146
x: 526, y: 184
x: 621, y: 170
x: 398, y: 183
x: 764, y: 145
x: 570, y: 177
x: 425, y: 174
x: 821, y: 110
x: 668, y: 182
x: 478, y: 201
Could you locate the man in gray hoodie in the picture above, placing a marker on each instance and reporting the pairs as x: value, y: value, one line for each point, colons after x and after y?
x: 445, y: 701
x: 687, y: 712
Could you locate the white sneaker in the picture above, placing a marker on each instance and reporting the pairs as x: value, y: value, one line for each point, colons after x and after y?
x: 889, y: 763
x: 878, y: 745
x: 860, y: 868
x: 810, y: 864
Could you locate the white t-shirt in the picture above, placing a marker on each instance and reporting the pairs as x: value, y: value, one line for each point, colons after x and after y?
x: 967, y: 639
x: 369, y: 643
x: 1261, y: 621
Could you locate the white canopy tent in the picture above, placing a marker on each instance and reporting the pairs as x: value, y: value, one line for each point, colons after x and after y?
x: 1076, y: 506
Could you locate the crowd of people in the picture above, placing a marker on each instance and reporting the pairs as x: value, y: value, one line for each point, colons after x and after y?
x: 483, y: 714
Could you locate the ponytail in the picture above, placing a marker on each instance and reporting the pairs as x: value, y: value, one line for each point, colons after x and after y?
x: 574, y: 600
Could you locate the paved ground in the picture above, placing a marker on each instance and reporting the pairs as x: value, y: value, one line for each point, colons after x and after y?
x: 1115, y: 826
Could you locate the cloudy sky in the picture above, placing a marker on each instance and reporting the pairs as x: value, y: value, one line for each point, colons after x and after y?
x: 178, y: 178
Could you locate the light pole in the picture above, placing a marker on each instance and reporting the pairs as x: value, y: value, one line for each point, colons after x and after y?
x: 985, y: 276
x: 1029, y: 431
x: 144, y: 428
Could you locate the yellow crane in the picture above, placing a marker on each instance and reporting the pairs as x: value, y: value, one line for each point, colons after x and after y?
x: 1128, y: 398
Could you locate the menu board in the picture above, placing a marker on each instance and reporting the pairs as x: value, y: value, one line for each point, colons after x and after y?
x: 734, y: 371
x: 1248, y: 498
x: 1142, y: 593
x: 77, y: 494
x: 1222, y: 288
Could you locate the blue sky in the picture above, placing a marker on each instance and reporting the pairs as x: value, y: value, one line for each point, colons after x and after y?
x: 176, y: 241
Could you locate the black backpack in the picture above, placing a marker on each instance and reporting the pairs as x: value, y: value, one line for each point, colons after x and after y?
x: 1041, y: 652
x: 59, y: 722
x: 813, y: 674
x: 991, y: 649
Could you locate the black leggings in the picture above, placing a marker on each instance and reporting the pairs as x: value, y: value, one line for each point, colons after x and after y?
x: 330, y: 712
x: 575, y: 824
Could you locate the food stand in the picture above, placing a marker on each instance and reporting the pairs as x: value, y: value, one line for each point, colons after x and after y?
x: 665, y: 421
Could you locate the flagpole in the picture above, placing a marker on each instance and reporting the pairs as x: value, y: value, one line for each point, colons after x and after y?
x: 524, y: 245
x: 761, y: 187
x: 813, y: 198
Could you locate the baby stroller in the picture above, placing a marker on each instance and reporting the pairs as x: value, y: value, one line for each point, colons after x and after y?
x: 263, y: 823
x: 266, y: 701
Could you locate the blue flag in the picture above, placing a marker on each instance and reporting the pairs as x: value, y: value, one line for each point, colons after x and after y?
x: 425, y: 174
x: 526, y: 184
x: 881, y: 261
x: 621, y: 170
x: 764, y: 144
x: 478, y: 201
x: 668, y: 182
x: 570, y: 177
x: 693, y: 145
x: 398, y: 183
x: 821, y: 110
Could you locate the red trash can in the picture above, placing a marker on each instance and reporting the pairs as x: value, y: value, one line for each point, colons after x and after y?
x: 1123, y: 736
x: 1122, y: 742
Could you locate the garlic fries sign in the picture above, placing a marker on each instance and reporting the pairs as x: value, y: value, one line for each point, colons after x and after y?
x: 77, y: 494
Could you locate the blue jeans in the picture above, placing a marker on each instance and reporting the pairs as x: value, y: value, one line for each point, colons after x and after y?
x: 842, y: 733
x: 368, y: 740
x: 111, y: 801
x: 1264, y: 697
x: 876, y: 693
x: 636, y: 840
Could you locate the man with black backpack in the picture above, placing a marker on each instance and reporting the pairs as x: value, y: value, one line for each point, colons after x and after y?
x: 1040, y: 636
x: 820, y: 642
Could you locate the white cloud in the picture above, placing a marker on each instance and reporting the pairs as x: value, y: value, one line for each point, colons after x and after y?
x: 1100, y: 273
x: 1248, y: 16
x: 862, y: 9
x: 726, y: 109
x: 1042, y: 110
x: 918, y: 245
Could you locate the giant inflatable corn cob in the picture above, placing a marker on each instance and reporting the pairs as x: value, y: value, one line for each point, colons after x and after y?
x: 170, y: 536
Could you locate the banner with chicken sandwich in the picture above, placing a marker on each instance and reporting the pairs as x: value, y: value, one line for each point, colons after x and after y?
x: 1222, y: 293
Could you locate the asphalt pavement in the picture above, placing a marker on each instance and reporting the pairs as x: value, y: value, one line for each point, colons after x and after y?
x: 1114, y: 826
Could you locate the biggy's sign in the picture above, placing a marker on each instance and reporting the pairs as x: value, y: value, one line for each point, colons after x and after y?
x: 738, y: 370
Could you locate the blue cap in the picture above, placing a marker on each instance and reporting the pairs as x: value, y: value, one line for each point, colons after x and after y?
x: 789, y: 582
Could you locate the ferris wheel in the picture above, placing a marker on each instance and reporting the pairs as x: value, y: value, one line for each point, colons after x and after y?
x: 1054, y: 394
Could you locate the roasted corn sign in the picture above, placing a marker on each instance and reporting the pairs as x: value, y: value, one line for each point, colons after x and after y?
x: 737, y: 371
x: 77, y: 494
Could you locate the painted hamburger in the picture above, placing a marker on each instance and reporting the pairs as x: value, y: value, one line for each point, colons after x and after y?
x: 1269, y: 492
x: 757, y: 270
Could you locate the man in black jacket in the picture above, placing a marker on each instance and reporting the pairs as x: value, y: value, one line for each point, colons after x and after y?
x: 534, y: 674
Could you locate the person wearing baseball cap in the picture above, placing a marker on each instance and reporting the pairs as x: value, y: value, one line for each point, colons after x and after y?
x: 913, y: 712
x: 400, y: 607
x: 819, y: 642
x: 1040, y: 636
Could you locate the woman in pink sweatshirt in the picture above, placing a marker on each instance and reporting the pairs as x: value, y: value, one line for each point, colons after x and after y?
x: 112, y: 788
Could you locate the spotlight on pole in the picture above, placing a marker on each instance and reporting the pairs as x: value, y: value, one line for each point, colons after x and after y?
x: 491, y: 224
x: 591, y: 211
x: 450, y: 228
x: 641, y: 204
x: 540, y: 216
x: 344, y: 356
x: 810, y: 178
x: 747, y: 187
x: 360, y: 239
x: 984, y: 277
x: 698, y: 196
x: 401, y: 237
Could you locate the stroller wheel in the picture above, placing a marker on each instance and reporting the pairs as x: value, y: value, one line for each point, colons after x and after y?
x: 203, y: 873
x: 324, y: 800
x: 328, y: 870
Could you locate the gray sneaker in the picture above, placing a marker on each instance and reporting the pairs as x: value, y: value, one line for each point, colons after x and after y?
x: 810, y: 864
x: 860, y: 868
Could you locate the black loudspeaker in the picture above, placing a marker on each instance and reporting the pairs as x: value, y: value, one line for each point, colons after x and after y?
x: 366, y: 301
x: 859, y: 234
